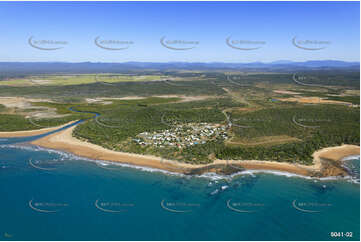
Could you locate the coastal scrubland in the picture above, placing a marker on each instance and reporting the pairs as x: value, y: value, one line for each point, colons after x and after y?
x: 195, y: 118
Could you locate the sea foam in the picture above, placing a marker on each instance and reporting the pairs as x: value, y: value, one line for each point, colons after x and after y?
x: 210, y: 175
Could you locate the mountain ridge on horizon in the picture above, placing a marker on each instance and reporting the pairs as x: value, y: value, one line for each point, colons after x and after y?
x: 98, y: 67
x: 197, y: 62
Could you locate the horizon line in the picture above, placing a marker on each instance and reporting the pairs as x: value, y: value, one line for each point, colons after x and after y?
x: 169, y: 62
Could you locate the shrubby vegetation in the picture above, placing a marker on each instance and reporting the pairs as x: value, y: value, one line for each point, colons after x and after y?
x: 259, y: 128
x: 325, y: 125
x: 328, y: 125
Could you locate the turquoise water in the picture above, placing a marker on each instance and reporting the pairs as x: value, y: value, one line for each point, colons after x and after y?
x: 48, y: 195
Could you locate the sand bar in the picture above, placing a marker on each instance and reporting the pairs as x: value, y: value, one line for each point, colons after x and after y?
x: 27, y: 133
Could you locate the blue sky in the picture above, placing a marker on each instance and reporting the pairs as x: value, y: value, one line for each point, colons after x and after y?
x: 273, y: 24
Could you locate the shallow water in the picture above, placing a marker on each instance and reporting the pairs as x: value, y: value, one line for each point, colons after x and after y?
x: 76, y: 199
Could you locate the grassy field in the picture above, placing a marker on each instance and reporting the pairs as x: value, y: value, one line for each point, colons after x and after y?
x: 62, y: 80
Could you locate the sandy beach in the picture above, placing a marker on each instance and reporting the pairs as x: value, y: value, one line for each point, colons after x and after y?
x: 27, y: 133
x: 65, y: 141
x: 327, y: 162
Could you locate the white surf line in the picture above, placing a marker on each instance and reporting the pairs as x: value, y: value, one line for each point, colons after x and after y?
x: 304, y: 126
x: 40, y: 168
x: 305, y: 84
x: 237, y: 210
x: 103, y: 165
x: 40, y: 210
x: 303, y: 210
x: 350, y: 157
x: 209, y: 175
x: 106, y: 210
x: 235, y: 167
x: 173, y: 210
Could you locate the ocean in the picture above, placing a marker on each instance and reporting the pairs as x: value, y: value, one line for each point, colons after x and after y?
x: 52, y: 195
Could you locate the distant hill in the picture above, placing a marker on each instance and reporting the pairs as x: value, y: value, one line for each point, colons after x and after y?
x: 97, y: 67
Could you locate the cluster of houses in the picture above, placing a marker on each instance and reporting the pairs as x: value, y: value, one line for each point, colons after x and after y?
x: 183, y: 135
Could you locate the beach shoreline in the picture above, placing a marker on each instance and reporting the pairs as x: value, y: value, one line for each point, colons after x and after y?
x: 33, y: 132
x: 327, y: 161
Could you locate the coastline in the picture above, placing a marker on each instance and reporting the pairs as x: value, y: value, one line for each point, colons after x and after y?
x: 27, y: 133
x: 327, y: 161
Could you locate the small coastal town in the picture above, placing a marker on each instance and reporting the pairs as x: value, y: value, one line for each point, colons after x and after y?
x: 183, y: 135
